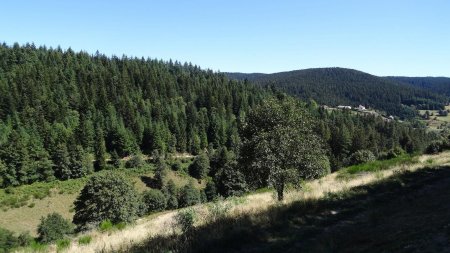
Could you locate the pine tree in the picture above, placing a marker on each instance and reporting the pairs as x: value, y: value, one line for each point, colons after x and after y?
x: 100, y: 150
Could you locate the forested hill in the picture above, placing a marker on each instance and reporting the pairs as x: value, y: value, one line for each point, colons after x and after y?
x: 439, y: 85
x: 56, y: 104
x: 339, y: 86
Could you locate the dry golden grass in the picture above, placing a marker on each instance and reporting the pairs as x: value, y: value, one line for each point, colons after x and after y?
x: 27, y: 219
x: 162, y: 223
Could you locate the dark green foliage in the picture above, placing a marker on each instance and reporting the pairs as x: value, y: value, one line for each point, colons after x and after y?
x: 226, y: 174
x: 7, y: 240
x: 160, y: 172
x: 80, y: 163
x: 115, y: 159
x: 3, y: 171
x: 52, y: 97
x: 361, y: 156
x: 100, y: 150
x: 61, y: 160
x: 185, y: 219
x: 279, y: 146
x: 211, y: 191
x: 338, y: 86
x: 440, y: 85
x: 53, y: 227
x: 189, y: 196
x: 171, y: 194
x: 200, y: 167
x: 154, y: 200
x: 24, y: 239
x: 434, y: 147
x: 106, y: 196
x: 176, y: 166
x: 135, y: 161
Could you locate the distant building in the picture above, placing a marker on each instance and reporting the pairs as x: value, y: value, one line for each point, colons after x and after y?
x: 344, y: 107
x: 361, y: 108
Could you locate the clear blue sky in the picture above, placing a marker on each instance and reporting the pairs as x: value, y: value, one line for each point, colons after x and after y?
x: 382, y: 37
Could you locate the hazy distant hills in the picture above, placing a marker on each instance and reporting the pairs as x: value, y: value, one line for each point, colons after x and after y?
x: 340, y: 86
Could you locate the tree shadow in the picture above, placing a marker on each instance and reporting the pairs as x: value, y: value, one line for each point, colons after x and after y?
x: 408, y: 212
x: 149, y: 182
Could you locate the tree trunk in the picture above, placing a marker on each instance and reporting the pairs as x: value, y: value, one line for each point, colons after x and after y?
x: 280, y: 191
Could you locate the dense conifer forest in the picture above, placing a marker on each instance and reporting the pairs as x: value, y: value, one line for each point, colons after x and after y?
x: 57, y: 106
x: 63, y: 113
x: 439, y: 85
x: 339, y: 86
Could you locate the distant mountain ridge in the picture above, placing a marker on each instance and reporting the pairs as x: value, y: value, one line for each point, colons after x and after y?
x: 340, y: 86
x: 439, y: 85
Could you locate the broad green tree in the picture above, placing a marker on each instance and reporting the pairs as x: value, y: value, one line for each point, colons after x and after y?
x: 279, y: 146
x: 106, y: 196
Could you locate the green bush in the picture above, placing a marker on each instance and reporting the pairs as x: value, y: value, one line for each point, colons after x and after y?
x: 135, y: 161
x: 361, y: 156
x: 53, y: 227
x: 106, y: 196
x: 7, y: 240
x: 189, y: 196
x: 393, y: 153
x: 434, y: 147
x: 200, y: 167
x: 120, y: 225
x: 176, y: 166
x: 106, y: 226
x: 85, y: 240
x: 185, y: 219
x: 25, y: 239
x: 211, y: 191
x: 154, y: 200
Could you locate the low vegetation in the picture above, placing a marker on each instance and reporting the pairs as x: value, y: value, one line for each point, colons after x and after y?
x: 378, y: 165
x: 333, y: 223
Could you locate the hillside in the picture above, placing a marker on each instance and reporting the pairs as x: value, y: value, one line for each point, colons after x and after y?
x: 440, y: 85
x: 58, y: 106
x: 339, y: 86
x: 380, y: 202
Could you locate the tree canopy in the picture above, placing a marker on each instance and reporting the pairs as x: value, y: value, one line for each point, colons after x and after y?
x: 279, y: 146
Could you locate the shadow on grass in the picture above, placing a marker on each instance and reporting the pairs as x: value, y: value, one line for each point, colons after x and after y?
x: 149, y: 182
x: 405, y: 213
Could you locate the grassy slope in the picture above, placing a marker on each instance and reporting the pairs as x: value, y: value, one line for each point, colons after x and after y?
x: 409, y: 211
x: 436, y: 121
x: 41, y: 199
x: 258, y: 223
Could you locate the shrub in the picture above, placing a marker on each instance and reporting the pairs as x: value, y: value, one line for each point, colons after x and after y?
x: 361, y: 156
x: 7, y: 240
x: 135, y: 161
x: 176, y: 166
x: 393, y: 153
x: 434, y: 147
x: 120, y: 225
x: 185, y: 219
x: 211, y: 191
x: 154, y: 200
x: 106, y: 226
x: 25, y: 239
x: 84, y: 240
x: 189, y: 196
x: 106, y: 196
x: 200, y: 167
x: 53, y: 227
